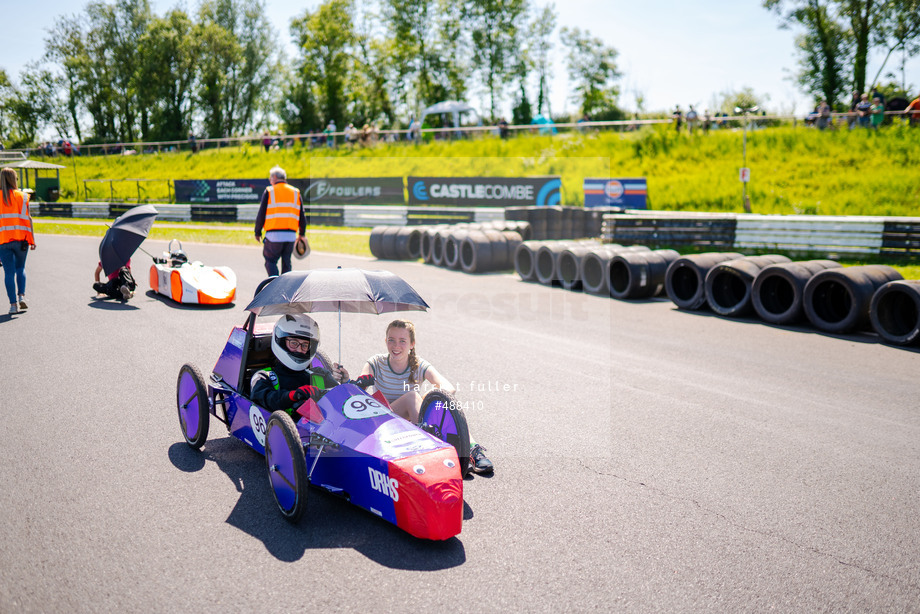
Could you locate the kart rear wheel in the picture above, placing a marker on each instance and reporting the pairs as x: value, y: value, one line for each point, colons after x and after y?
x: 192, y: 403
x: 287, y: 466
x: 441, y: 416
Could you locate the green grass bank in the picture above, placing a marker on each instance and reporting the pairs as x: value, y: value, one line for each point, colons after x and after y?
x: 794, y: 170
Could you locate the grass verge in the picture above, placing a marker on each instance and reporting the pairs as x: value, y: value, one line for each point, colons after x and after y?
x: 321, y: 238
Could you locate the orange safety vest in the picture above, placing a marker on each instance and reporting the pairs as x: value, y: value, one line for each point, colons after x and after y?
x: 15, y: 222
x: 283, y: 211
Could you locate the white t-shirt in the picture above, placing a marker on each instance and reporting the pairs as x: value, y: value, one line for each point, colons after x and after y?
x: 394, y: 385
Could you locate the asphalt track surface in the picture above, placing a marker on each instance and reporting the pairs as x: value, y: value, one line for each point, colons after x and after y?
x: 647, y: 459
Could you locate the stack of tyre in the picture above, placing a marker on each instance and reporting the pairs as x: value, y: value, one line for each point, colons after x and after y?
x: 832, y: 298
x: 623, y: 272
x: 470, y: 247
x: 556, y: 223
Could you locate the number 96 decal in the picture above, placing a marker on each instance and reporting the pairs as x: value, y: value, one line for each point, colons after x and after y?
x: 362, y: 406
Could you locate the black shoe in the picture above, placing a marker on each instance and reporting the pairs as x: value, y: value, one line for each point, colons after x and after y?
x: 478, y: 461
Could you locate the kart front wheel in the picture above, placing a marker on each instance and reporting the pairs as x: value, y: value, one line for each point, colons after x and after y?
x: 441, y: 416
x: 192, y: 403
x: 287, y: 466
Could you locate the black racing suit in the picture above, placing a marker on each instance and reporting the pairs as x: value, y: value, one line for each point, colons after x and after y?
x: 271, y: 387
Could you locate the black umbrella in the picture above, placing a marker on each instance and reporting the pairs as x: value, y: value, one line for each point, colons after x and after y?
x: 348, y: 290
x: 124, y: 236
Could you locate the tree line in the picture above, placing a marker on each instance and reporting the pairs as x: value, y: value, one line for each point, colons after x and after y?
x: 838, y: 37
x: 120, y: 73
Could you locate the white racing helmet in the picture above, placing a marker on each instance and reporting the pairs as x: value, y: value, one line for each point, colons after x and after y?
x: 301, y: 327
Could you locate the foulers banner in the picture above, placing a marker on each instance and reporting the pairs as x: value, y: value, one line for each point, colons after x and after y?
x: 355, y: 191
x: 629, y: 193
x: 485, y: 191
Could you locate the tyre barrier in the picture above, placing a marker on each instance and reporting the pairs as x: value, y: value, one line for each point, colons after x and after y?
x: 396, y: 242
x: 569, y: 270
x: 838, y: 300
x: 414, y: 242
x: 546, y: 259
x: 524, y: 264
x: 488, y: 250
x: 776, y: 293
x: 895, y: 312
x: 437, y: 246
x: 685, y: 280
x: 568, y: 265
x: 557, y: 223
x: 375, y: 241
x: 728, y: 285
x: 427, y: 241
x: 593, y: 268
x: 452, y: 241
x: 638, y: 274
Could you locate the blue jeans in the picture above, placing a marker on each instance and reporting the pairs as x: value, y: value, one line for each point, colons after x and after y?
x: 272, y: 251
x: 13, y: 259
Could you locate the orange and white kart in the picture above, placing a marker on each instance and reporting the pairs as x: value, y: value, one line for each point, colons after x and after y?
x: 191, y: 283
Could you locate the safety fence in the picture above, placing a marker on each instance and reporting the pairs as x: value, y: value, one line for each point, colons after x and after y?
x: 338, y: 138
x: 805, y: 234
x: 356, y: 216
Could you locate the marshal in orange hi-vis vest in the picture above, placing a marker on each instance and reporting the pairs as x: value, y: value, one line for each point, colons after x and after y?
x: 15, y: 223
x: 283, y: 211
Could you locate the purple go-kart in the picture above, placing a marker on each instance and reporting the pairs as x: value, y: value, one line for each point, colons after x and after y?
x: 348, y: 443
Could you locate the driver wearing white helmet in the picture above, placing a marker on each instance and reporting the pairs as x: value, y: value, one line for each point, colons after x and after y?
x: 292, y: 380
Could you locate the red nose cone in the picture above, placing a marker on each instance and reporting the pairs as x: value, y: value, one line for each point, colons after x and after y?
x: 430, y: 503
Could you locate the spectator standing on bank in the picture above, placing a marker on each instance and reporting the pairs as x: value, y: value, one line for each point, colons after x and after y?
x: 854, y: 102
x: 877, y: 93
x: 678, y: 118
x: 351, y: 135
x: 503, y: 131
x: 863, y: 110
x: 330, y: 134
x: 281, y: 216
x: 707, y: 119
x: 877, y: 112
x: 824, y: 115
x: 413, y: 132
x: 16, y: 238
x: 692, y: 117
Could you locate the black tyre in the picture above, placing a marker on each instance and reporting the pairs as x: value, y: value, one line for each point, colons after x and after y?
x: 192, y: 404
x: 838, y: 300
x: 441, y: 416
x: 388, y: 243
x: 287, y: 466
x: 324, y: 361
x: 376, y: 242
x: 895, y: 312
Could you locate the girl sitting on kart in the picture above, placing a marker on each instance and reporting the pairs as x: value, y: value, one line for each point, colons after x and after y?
x: 399, y: 375
x: 292, y: 380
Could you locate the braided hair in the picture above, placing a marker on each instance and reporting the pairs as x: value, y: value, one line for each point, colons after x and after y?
x: 413, y: 357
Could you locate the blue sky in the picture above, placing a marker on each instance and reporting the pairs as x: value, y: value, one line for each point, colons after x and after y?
x: 670, y: 51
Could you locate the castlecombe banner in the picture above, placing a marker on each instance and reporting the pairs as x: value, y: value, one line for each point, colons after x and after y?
x: 485, y: 191
x: 317, y: 191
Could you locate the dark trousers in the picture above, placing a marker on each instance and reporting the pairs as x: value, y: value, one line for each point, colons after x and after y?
x: 272, y: 251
